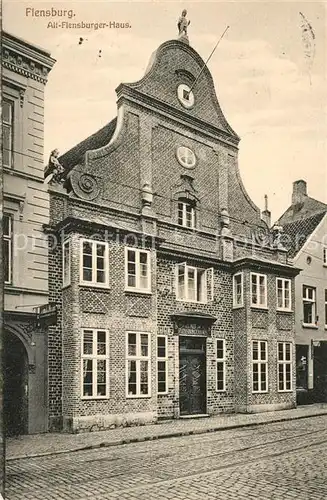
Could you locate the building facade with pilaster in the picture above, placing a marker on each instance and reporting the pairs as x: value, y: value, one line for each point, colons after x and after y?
x: 174, y: 297
x: 25, y: 70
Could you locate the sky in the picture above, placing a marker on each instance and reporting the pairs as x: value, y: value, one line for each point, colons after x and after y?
x: 271, y: 87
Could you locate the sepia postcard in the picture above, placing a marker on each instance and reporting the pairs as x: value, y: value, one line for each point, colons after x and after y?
x: 164, y: 250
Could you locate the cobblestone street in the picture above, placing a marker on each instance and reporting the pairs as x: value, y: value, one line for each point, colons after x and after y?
x: 282, y: 460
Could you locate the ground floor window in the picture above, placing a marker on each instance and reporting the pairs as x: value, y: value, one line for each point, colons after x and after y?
x: 95, y: 363
x: 221, y: 365
x: 284, y: 366
x: 162, y: 364
x: 138, y: 364
x: 259, y: 366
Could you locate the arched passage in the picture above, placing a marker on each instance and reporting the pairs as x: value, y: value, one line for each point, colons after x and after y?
x: 15, y: 385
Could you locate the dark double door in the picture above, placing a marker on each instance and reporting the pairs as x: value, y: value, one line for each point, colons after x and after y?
x: 192, y: 375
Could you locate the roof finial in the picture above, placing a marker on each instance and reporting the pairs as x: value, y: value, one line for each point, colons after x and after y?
x: 182, y: 27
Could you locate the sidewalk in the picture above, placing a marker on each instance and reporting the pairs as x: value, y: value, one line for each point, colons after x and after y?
x: 55, y: 443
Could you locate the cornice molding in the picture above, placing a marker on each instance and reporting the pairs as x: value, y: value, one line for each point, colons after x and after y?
x: 26, y: 61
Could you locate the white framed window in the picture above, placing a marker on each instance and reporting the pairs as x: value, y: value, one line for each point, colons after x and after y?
x: 309, y: 305
x: 186, y: 157
x: 238, y: 300
x: 137, y: 270
x: 7, y: 228
x: 162, y: 364
x: 194, y: 284
x: 259, y: 366
x: 283, y: 290
x: 284, y: 371
x: 258, y: 290
x: 186, y: 213
x: 95, y: 364
x: 138, y: 365
x: 94, y: 263
x: 324, y: 256
x: 185, y: 95
x: 325, y: 307
x: 7, y: 132
x: 220, y: 365
x: 66, y: 263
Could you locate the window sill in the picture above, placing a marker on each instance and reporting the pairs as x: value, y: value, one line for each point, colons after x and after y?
x: 238, y: 307
x: 66, y: 286
x: 285, y: 391
x: 188, y: 301
x: 95, y: 398
x: 287, y: 311
x: 221, y: 391
x: 260, y: 308
x: 94, y: 285
x: 313, y: 326
x: 144, y: 396
x: 162, y: 393
x: 138, y: 291
x: 260, y: 392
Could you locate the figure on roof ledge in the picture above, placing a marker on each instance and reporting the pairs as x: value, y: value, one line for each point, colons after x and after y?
x: 183, y: 24
x: 54, y: 167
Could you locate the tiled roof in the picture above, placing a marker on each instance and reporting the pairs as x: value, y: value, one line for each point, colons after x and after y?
x: 296, y: 233
x: 97, y: 140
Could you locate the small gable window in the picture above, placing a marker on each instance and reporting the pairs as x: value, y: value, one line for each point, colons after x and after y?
x: 186, y: 157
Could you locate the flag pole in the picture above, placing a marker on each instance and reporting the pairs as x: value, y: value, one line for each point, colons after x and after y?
x: 205, y: 64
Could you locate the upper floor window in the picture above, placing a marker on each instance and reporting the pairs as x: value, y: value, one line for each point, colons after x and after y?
x: 186, y: 214
x: 325, y: 256
x: 194, y: 284
x: 309, y: 305
x: 238, y: 290
x: 95, y: 363
x: 7, y: 132
x: 94, y: 263
x: 7, y: 247
x: 283, y: 294
x: 185, y: 95
x: 258, y: 290
x: 138, y: 271
x: 66, y: 262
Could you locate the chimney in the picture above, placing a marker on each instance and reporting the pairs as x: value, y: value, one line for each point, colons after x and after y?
x: 266, y: 214
x: 299, y: 192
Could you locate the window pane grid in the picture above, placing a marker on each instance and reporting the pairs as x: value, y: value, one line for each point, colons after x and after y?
x: 66, y: 263
x: 238, y: 289
x: 192, y: 283
x: 220, y: 365
x: 162, y: 364
x: 284, y: 370
x: 138, y: 269
x: 259, y: 366
x: 258, y: 290
x: 283, y: 293
x: 7, y: 248
x: 95, y: 262
x: 95, y: 364
x: 138, y: 364
x: 7, y: 132
x: 309, y: 305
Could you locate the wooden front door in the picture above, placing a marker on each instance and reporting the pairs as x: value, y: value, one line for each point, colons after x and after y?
x: 192, y: 375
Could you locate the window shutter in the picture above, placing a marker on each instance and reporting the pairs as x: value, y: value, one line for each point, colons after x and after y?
x: 209, y: 282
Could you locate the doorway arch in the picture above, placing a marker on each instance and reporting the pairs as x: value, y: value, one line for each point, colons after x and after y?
x: 15, y: 385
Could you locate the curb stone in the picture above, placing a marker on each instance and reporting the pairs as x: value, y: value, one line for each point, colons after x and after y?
x: 110, y: 443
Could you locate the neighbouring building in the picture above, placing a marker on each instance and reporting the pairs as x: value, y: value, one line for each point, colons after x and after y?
x: 25, y: 70
x: 174, y: 299
x: 305, y: 235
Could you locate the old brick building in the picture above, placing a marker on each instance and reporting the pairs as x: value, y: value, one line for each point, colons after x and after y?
x: 174, y: 298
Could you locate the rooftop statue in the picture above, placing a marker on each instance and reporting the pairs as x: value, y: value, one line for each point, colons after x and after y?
x: 183, y: 24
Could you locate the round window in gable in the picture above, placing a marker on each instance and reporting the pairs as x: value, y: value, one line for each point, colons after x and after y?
x: 186, y: 157
x: 185, y: 95
x: 309, y: 260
